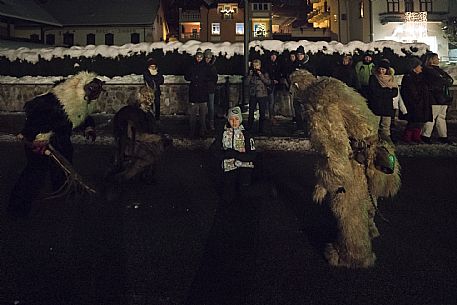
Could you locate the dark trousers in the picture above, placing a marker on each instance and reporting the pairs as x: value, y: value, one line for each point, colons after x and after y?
x: 157, y: 106
x: 235, y: 183
x: 299, y: 115
x: 262, y: 102
x: 33, y: 179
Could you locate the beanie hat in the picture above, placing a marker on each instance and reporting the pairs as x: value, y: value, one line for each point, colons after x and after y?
x: 274, y: 52
x: 235, y: 111
x: 368, y: 53
x: 293, y: 52
x: 151, y: 61
x: 208, y: 53
x: 384, y: 63
x: 301, y: 50
x: 199, y: 52
x: 413, y: 63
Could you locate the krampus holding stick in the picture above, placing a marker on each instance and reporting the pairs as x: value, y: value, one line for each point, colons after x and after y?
x: 50, y: 120
x: 355, y: 166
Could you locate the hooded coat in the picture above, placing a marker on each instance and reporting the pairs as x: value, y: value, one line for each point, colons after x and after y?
x: 416, y: 95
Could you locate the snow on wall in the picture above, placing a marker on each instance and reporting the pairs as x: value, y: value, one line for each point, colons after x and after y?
x: 226, y: 49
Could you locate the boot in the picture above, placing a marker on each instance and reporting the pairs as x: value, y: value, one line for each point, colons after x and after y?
x: 416, y: 136
x: 426, y: 139
x: 407, y: 135
x: 444, y: 140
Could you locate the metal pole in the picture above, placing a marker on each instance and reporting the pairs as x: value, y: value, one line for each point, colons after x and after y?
x: 247, y: 34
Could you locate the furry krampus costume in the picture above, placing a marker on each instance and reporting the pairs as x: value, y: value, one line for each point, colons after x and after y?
x: 50, y: 119
x: 137, y: 147
x: 351, y: 170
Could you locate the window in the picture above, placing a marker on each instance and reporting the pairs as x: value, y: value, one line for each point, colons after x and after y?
x: 239, y: 29
x: 255, y: 7
x: 425, y: 5
x: 215, y: 28
x: 135, y: 38
x: 265, y: 6
x: 90, y: 39
x: 50, y: 39
x: 393, y: 6
x: 34, y: 37
x: 409, y: 6
x: 109, y: 39
x: 69, y: 39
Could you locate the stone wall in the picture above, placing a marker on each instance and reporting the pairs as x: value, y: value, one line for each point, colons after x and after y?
x: 173, y: 99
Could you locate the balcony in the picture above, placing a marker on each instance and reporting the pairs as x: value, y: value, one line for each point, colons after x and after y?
x: 385, y: 18
x: 190, y: 36
x: 190, y: 16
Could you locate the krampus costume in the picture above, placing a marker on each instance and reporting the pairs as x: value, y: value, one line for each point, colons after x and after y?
x: 50, y: 119
x: 137, y: 146
x: 355, y: 167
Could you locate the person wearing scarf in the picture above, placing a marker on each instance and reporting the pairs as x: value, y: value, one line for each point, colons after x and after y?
x: 235, y: 152
x: 382, y: 88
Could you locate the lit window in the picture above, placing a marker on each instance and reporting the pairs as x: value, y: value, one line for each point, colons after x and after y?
x: 215, y: 28
x: 239, y: 29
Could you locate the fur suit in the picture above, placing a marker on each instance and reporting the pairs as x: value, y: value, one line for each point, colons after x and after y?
x: 50, y: 119
x: 337, y: 114
x: 138, y: 147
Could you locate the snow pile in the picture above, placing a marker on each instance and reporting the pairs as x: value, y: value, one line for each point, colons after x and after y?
x: 226, y: 49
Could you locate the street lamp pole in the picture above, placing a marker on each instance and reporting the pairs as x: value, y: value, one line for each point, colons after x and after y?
x: 247, y: 34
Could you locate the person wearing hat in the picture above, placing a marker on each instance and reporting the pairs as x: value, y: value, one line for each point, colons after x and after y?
x: 416, y: 94
x: 439, y: 82
x: 153, y: 78
x: 198, y: 76
x: 212, y: 83
x: 235, y: 152
x: 258, y: 80
x: 302, y: 63
x: 274, y: 72
x: 289, y: 66
x: 382, y: 89
x: 345, y: 72
x: 363, y: 70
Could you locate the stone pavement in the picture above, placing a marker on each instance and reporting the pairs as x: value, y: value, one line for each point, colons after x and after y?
x: 278, y: 137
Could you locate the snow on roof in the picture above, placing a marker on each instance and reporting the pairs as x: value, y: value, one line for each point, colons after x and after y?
x: 102, y: 12
x: 26, y: 10
x: 226, y: 49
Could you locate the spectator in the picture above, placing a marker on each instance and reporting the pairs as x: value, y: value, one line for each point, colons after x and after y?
x: 273, y: 69
x: 363, y: 70
x: 258, y: 81
x: 289, y: 65
x: 416, y: 96
x: 345, y: 72
x: 302, y: 62
x: 153, y: 78
x: 198, y: 76
x: 382, y: 89
x: 439, y: 82
x: 235, y: 151
x: 212, y: 83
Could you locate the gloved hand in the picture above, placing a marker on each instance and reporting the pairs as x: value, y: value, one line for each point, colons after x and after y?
x: 39, y: 147
x: 89, y: 133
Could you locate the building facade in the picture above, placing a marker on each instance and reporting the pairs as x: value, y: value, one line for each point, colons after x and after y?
x: 224, y: 21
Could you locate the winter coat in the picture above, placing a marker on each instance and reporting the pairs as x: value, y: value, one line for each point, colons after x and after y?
x: 212, y: 75
x: 153, y: 81
x: 380, y: 99
x: 416, y: 95
x: 198, y: 75
x: 439, y: 82
x: 274, y: 71
x: 363, y: 72
x: 302, y: 64
x: 222, y: 153
x: 258, y: 83
x: 288, y: 68
x: 346, y: 74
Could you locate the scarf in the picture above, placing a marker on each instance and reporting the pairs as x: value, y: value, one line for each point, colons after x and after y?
x: 386, y: 80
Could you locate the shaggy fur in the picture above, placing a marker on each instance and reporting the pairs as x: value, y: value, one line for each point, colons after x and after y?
x: 71, y: 95
x: 337, y: 113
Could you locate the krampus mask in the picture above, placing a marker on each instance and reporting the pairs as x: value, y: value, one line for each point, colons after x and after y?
x: 93, y: 90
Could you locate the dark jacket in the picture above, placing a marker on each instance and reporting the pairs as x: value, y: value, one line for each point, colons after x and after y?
x: 380, y: 99
x: 153, y: 81
x: 258, y: 84
x: 198, y: 75
x: 302, y: 64
x: 273, y: 69
x: 417, y: 98
x: 346, y: 74
x: 212, y: 77
x: 220, y: 154
x: 439, y: 82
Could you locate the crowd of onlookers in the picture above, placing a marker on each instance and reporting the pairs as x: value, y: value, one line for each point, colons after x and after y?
x: 421, y: 100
